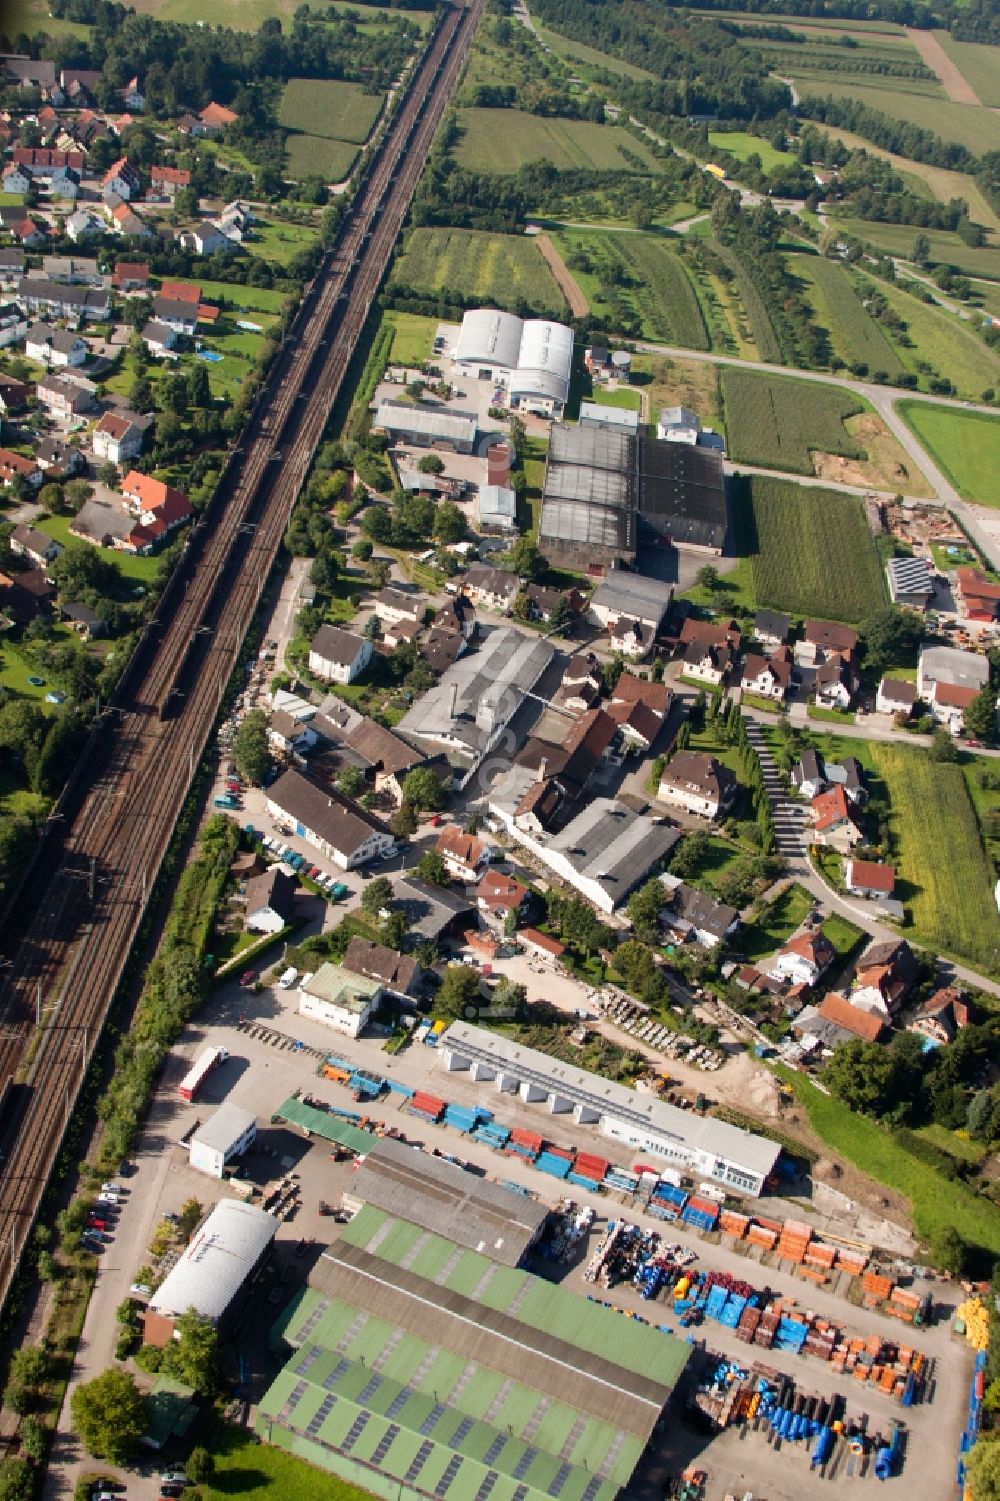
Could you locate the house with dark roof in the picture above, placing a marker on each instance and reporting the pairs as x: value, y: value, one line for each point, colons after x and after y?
x: 491, y: 588
x: 435, y: 913
x: 327, y: 819
x: 270, y: 901
x: 835, y: 683
x: 849, y: 774
x: 896, y: 696
x: 698, y: 783
x: 821, y: 638
x: 689, y: 913
x: 338, y: 656
x: 27, y: 542
x: 400, y: 974
x: 59, y: 459
x: 708, y: 664
x: 384, y: 755
x: 768, y: 676
x: 771, y: 629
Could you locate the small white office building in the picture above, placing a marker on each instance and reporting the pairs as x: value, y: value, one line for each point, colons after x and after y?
x: 227, y: 1134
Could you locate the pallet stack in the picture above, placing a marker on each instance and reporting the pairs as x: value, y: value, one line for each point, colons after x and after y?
x: 875, y: 1289
x: 762, y: 1235
x: 734, y: 1224
x: 793, y: 1241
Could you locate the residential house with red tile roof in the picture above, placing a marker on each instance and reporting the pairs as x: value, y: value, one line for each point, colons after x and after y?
x: 836, y: 821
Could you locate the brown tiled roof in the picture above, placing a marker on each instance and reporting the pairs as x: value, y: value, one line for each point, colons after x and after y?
x: 871, y: 875
x: 461, y: 846
x: 867, y: 1025
x: 633, y: 690
x: 378, y: 962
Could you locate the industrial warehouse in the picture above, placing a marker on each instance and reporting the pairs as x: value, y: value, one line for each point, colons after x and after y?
x: 439, y: 1196
x: 698, y: 1144
x: 608, y: 493
x: 421, y: 1368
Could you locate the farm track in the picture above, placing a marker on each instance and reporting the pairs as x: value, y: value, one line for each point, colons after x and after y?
x: 71, y: 929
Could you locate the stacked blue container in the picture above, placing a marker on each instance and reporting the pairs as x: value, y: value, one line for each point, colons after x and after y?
x: 556, y: 1167
x: 622, y: 1180
x: 791, y: 1335
x: 582, y: 1182
x: 492, y: 1135
x: 398, y: 1087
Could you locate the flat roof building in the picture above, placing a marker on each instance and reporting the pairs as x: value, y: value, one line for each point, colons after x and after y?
x: 422, y: 1369
x: 225, y: 1135
x: 612, y: 419
x: 213, y: 1269
x: 444, y: 1198
x: 339, y: 998
x: 641, y: 490
x: 534, y: 356
x: 632, y: 596
x: 704, y: 1146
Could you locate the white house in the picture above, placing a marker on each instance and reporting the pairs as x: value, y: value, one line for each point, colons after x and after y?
x: 338, y: 656
x: 54, y: 346
x: 633, y: 638
x: 270, y: 901
x: 13, y: 324
x: 335, y: 824
x: 119, y: 436
x: 339, y: 999
x: 803, y: 959
x: 698, y: 783
x: 770, y: 676
x: 392, y: 606
x: 465, y: 856
x: 896, y: 696
x: 225, y: 1135
x: 158, y: 338
x: 948, y: 680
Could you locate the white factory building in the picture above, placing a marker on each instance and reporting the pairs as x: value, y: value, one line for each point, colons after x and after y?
x: 214, y: 1268
x: 225, y: 1135
x: 698, y: 1145
x: 532, y: 357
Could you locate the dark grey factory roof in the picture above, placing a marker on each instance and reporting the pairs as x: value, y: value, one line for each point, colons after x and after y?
x: 588, y: 524
x: 583, y: 482
x: 685, y: 485
x: 445, y: 1199
x: 634, y: 594
x: 609, y: 844
x: 593, y: 446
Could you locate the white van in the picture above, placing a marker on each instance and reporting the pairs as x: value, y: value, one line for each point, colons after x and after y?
x: 288, y: 979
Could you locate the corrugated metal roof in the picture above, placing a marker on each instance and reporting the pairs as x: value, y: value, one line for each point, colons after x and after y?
x: 215, y: 1265
x: 320, y: 1123
x: 442, y: 1197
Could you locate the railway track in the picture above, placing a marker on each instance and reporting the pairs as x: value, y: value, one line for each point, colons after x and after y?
x: 68, y: 938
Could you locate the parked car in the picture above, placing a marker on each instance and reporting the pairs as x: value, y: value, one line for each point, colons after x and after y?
x: 225, y: 802
x: 248, y: 979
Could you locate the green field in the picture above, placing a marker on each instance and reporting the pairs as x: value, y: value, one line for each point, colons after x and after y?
x: 965, y: 445
x: 135, y: 569
x: 780, y: 423
x: 944, y: 875
x: 946, y: 249
x: 936, y: 1202
x: 279, y: 241
x: 248, y: 15
x: 502, y: 140
x: 245, y: 1467
x: 315, y: 156
x: 978, y: 64
x: 738, y: 143
x: 498, y: 269
x: 412, y: 339
x: 330, y: 108
x: 854, y: 334
x: 327, y: 120
x: 945, y: 343
x: 588, y: 57
x: 643, y: 274
x: 810, y: 550
x: 921, y: 103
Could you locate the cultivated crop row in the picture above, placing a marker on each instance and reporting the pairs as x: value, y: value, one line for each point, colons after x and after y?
x: 811, y: 552
x: 778, y: 423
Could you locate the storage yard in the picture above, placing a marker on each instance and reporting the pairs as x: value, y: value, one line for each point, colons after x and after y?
x: 792, y: 1335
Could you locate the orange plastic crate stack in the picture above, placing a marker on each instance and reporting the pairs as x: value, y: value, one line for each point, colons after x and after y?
x: 793, y: 1241
x: 878, y: 1287
x: 759, y: 1235
x: 734, y: 1224
x: 852, y: 1262
x: 822, y: 1255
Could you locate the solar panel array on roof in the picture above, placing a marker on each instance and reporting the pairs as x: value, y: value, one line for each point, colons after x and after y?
x: 464, y: 1394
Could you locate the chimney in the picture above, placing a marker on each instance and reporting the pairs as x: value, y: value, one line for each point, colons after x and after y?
x: 541, y: 769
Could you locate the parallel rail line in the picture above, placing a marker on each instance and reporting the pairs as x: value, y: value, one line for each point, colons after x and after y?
x: 69, y: 933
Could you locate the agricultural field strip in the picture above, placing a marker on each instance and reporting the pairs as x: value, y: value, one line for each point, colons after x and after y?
x: 477, y: 265
x: 952, y: 899
x: 502, y: 140
x: 853, y: 332
x: 813, y: 552
x: 779, y: 423
x: 976, y: 129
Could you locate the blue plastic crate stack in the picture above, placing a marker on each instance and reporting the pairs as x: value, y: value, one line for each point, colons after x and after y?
x: 974, y: 1416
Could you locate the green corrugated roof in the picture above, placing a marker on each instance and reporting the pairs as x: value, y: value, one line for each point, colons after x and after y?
x: 537, y: 1469
x: 321, y: 1123
x: 628, y: 1343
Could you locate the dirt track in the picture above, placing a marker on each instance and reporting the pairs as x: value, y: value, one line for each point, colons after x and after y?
x: 959, y: 91
x: 578, y: 304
